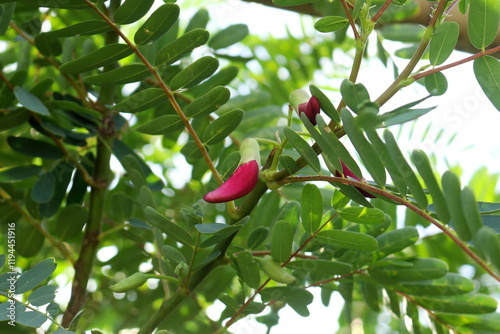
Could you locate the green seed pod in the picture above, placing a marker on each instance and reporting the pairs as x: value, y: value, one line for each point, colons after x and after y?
x: 274, y: 270
x: 132, y: 282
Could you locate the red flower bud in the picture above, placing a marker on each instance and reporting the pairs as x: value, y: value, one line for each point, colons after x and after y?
x: 303, y: 103
x: 240, y: 183
x: 348, y: 173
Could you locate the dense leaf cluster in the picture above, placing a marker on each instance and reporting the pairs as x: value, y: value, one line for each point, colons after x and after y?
x: 104, y: 104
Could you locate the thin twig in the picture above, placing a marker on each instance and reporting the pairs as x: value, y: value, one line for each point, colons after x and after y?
x: 456, y: 63
x: 381, y: 10
x: 165, y: 88
x: 399, y: 200
x: 38, y: 226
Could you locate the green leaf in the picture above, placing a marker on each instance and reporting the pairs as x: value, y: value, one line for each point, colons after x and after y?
x: 43, y: 295
x: 328, y: 146
x: 436, y: 84
x: 325, y: 103
x: 162, y: 125
x: 199, y: 20
x: 84, y: 28
x: 348, y: 240
x: 339, y: 148
x: 471, y: 210
x: 36, y: 275
x: 371, y: 295
x: 489, y: 244
x: 132, y: 10
x: 292, y: 2
x: 405, y: 170
x: 48, y: 44
x: 487, y: 72
x: 58, y: 4
x: 70, y: 221
x: 3, y: 259
x: 297, y: 298
x: 34, y: 148
x: 304, y: 149
x: 63, y: 172
x: 221, y: 78
x: 354, y: 95
x: 208, y: 103
x: 257, y: 237
x: 384, y: 155
x: 468, y: 303
x: 168, y: 227
x: 396, y: 240
x: 421, y: 161
x: 484, y: 323
x: 6, y: 16
x: 223, y: 232
x: 311, y: 207
x: 29, y: 241
x: 320, y: 269
x: 443, y: 42
x: 13, y: 118
x: 451, y: 189
x: 30, y: 101
x: 366, y: 151
x: 157, y: 24
x: 222, y: 127
x: 228, y: 36
x: 448, y: 285
x: 44, y: 187
x: 142, y: 100
x: 482, y: 22
x: 13, y: 174
x: 119, y: 76
x: 403, y: 32
x: 420, y: 269
x: 210, y: 228
x: 103, y: 56
x: 362, y: 215
x: 249, y: 269
x: 330, y: 23
x: 194, y: 73
x: 181, y: 47
x: 281, y: 242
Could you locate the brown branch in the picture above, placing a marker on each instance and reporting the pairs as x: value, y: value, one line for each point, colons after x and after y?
x: 409, y: 205
x: 165, y: 89
x: 456, y: 63
x: 421, y: 17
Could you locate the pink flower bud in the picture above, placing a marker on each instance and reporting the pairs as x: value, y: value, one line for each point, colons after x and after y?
x: 240, y: 183
x: 244, y: 178
x: 348, y: 173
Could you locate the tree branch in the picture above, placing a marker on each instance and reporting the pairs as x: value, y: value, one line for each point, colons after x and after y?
x: 421, y: 17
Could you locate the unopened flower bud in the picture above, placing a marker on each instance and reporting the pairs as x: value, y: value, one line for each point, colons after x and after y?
x: 243, y: 179
x: 132, y: 282
x: 348, y: 173
x: 302, y: 102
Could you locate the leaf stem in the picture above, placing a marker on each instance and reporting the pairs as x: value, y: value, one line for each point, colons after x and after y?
x: 381, y: 10
x: 350, y: 18
x: 38, y: 226
x: 399, y: 82
x: 456, y: 63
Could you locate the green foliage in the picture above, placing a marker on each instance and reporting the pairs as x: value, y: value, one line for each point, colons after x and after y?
x: 118, y: 117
